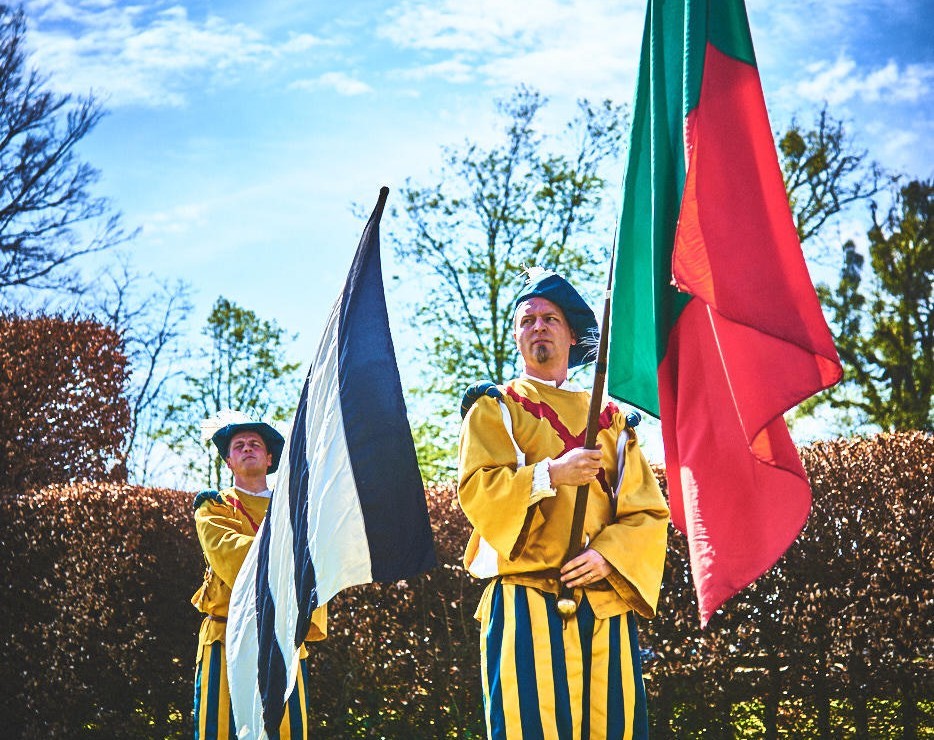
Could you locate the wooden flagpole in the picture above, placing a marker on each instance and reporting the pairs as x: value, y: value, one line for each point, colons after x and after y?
x: 566, y: 605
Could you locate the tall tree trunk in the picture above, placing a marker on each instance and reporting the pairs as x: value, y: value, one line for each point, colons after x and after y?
x: 771, y: 700
x: 909, y: 709
x: 857, y: 671
x: 662, y: 709
x: 724, y: 719
x: 770, y: 718
x: 717, y: 721
x: 822, y: 702
x: 821, y: 688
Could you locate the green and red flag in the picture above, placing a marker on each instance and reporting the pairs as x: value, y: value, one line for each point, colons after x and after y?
x: 715, y: 324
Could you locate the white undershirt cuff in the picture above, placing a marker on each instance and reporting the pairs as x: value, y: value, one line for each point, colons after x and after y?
x: 541, y: 481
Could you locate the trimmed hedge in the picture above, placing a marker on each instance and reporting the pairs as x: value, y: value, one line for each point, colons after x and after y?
x: 99, y: 636
x: 842, y: 619
x: 95, y: 614
x: 63, y: 416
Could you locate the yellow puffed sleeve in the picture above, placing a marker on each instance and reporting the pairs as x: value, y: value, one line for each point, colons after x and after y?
x: 318, y: 629
x: 495, y: 494
x: 635, y: 543
x: 223, y: 539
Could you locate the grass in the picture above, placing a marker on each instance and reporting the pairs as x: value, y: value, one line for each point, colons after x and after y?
x: 797, y: 718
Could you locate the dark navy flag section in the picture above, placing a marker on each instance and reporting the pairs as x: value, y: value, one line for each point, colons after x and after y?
x: 375, y: 423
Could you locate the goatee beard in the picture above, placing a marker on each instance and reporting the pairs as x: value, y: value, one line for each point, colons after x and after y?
x: 542, y: 353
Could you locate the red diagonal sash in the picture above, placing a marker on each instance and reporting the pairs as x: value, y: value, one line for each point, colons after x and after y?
x: 239, y: 507
x: 541, y: 410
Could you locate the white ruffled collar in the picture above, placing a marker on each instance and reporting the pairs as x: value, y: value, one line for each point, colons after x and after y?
x: 567, y: 385
x: 261, y: 494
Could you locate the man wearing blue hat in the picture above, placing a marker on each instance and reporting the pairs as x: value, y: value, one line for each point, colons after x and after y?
x: 521, y: 460
x: 227, y: 522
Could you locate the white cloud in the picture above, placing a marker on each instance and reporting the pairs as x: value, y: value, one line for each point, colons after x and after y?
x: 454, y: 70
x: 342, y: 83
x: 897, y: 145
x: 826, y: 21
x: 903, y: 144
x: 889, y: 83
x: 300, y: 42
x: 565, y: 71
x: 145, y: 55
x: 485, y: 25
x: 576, y: 47
x: 843, y: 80
x: 179, y: 220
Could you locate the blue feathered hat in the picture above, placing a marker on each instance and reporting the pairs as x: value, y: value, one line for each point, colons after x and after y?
x: 222, y: 429
x: 549, y: 285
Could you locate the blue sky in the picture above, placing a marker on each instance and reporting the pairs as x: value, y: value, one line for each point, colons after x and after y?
x: 240, y: 133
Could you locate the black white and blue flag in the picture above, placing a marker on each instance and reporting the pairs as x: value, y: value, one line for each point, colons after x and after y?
x: 348, y: 505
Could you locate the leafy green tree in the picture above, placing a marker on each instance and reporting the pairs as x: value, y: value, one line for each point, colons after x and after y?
x: 245, y: 369
x: 434, y: 447
x: 48, y: 215
x: 825, y: 173
x: 885, y: 319
x: 527, y: 200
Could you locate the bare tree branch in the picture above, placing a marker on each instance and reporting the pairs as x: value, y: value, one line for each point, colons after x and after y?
x: 48, y: 216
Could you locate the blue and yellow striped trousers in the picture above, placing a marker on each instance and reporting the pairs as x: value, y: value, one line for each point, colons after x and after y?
x: 542, y: 679
x: 213, y: 714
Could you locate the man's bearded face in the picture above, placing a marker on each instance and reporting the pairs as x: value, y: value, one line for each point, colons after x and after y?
x: 542, y: 334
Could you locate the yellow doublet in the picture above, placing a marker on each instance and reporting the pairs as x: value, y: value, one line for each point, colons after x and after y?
x: 528, y: 529
x: 226, y: 531
x: 543, y: 677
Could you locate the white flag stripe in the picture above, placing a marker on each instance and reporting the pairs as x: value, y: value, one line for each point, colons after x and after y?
x: 282, y: 572
x: 335, y: 521
x: 242, y: 646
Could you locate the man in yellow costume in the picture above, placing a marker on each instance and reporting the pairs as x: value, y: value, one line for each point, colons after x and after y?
x: 227, y: 523
x: 521, y: 461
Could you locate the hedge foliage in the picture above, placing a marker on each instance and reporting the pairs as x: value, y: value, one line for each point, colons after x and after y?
x: 96, y: 621
x: 63, y: 416
x: 99, y: 636
x: 843, y: 619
